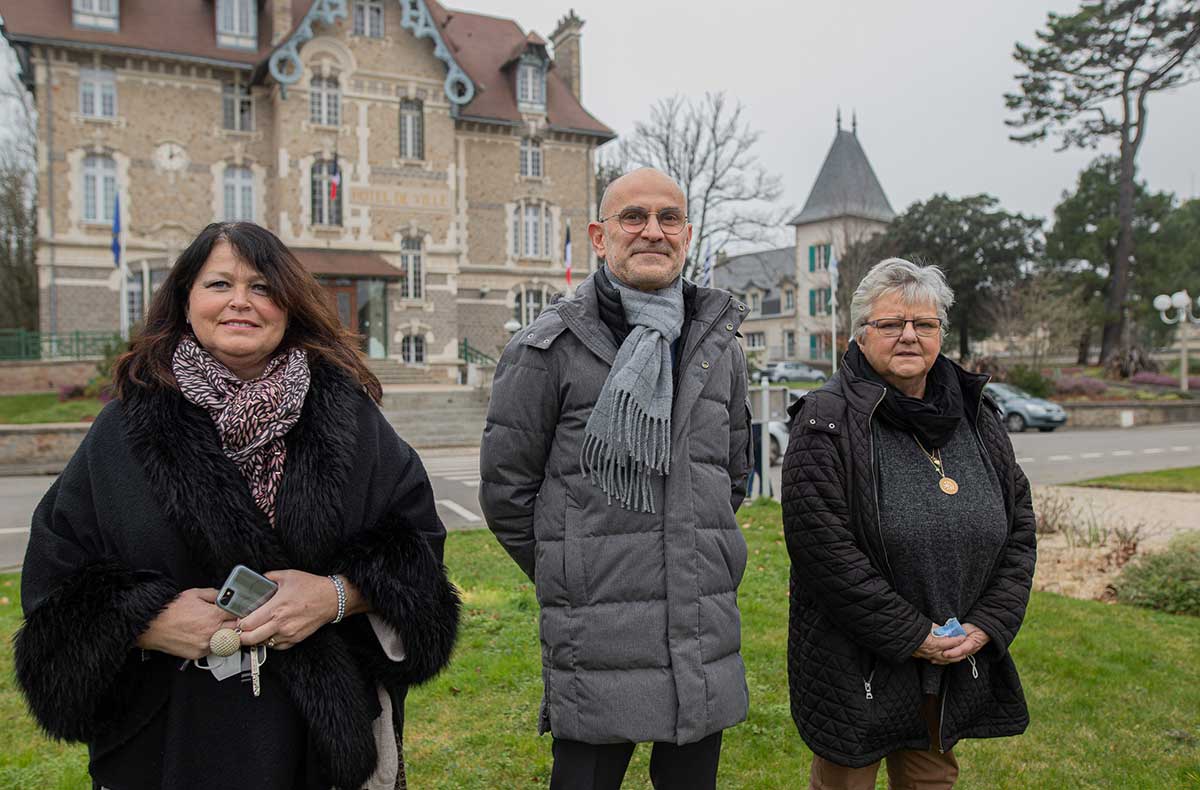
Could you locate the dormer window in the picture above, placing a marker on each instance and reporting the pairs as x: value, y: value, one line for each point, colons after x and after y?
x: 237, y: 24
x: 531, y: 83
x: 98, y: 14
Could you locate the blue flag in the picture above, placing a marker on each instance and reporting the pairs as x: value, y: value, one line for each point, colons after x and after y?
x: 116, y: 230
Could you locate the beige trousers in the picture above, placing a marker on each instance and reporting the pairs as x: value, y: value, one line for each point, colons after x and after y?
x: 908, y: 769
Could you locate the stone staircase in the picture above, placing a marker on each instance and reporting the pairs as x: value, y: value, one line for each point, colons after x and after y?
x: 391, y: 371
x: 438, y: 417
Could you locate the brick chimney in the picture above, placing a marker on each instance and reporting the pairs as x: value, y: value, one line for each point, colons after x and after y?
x: 281, y: 20
x: 567, y: 54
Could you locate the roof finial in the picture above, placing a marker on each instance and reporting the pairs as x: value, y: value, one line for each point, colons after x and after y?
x: 839, y: 118
x: 854, y: 122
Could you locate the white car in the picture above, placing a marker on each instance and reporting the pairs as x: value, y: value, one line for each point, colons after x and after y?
x: 778, y: 430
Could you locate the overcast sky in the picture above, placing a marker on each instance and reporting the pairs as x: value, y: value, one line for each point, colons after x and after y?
x: 926, y: 77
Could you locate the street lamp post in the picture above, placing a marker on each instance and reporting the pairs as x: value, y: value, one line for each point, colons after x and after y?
x: 1181, y: 301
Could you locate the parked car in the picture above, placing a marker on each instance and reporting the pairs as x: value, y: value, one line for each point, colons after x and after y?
x: 1022, y: 410
x: 793, y: 371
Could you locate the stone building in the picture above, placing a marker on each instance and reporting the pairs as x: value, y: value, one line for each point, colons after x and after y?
x: 789, y: 289
x: 426, y: 164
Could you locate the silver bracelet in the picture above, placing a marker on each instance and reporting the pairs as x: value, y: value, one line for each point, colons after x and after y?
x: 341, y: 594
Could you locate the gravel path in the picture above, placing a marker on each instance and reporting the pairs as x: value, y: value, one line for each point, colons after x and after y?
x: 1091, y: 571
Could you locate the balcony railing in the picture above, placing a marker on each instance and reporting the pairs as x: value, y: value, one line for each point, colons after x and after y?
x: 22, y: 344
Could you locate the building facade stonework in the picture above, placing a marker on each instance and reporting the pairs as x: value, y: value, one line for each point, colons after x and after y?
x: 424, y: 164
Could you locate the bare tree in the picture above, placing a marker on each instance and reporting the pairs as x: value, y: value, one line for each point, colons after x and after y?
x: 707, y: 146
x: 18, y: 200
x: 1038, y: 316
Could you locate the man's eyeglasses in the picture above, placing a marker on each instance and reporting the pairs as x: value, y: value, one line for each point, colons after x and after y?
x: 633, y: 220
x: 894, y: 327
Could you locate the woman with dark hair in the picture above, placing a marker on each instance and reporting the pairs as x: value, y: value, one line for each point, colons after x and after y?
x: 246, y: 432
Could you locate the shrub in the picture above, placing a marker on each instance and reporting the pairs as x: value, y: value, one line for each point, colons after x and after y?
x: 1030, y: 380
x: 1079, y: 385
x: 1168, y: 581
x: 70, y: 392
x: 1163, y: 379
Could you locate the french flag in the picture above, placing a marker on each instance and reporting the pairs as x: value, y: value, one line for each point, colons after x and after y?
x: 335, y: 179
x: 567, y: 256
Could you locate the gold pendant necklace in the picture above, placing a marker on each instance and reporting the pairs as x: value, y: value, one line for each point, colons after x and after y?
x: 946, y: 483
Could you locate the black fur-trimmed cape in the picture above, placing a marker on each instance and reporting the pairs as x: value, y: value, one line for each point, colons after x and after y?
x: 149, y: 506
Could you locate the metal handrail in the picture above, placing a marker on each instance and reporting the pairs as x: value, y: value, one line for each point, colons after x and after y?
x: 472, y: 355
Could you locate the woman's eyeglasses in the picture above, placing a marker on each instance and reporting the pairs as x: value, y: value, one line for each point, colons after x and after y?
x: 894, y: 327
x: 633, y: 220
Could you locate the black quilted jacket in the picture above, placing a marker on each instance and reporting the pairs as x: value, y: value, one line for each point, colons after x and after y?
x: 855, y: 690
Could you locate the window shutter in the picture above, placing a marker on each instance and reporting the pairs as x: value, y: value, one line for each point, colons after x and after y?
x: 812, y: 257
x: 812, y: 346
x: 812, y: 302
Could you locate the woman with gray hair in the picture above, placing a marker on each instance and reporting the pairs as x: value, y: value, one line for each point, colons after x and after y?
x: 905, y: 512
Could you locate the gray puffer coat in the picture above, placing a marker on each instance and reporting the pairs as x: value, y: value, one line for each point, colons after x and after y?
x: 640, y: 629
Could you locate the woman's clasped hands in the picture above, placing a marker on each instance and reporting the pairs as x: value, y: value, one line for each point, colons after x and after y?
x: 952, y: 649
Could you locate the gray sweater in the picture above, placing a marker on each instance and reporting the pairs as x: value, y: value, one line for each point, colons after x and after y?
x: 941, y: 547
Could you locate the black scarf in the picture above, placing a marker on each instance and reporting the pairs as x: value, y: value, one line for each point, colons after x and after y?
x: 931, y: 419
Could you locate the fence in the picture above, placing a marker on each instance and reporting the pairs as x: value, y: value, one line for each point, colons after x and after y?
x: 22, y: 344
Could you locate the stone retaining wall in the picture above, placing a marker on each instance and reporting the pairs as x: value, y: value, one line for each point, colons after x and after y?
x: 39, y: 449
x: 1128, y: 414
x: 35, y: 376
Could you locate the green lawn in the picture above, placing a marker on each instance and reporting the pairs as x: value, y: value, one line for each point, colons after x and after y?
x: 1114, y: 694
x: 46, y: 407
x: 1186, y: 479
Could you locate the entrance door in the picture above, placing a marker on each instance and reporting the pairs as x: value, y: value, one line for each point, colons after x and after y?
x: 345, y: 301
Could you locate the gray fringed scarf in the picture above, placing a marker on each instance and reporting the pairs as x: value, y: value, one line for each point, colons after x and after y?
x: 629, y: 433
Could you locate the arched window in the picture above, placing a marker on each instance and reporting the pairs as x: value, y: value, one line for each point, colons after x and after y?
x: 412, y: 349
x: 325, y: 101
x: 529, y: 302
x: 99, y: 188
x: 411, y: 286
x: 239, y: 194
x: 531, y: 157
x: 412, y: 129
x: 326, y: 193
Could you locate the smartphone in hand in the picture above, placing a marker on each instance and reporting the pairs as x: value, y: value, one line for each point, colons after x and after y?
x: 244, y: 591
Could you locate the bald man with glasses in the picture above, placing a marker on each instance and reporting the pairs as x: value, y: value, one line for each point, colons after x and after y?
x: 616, y: 451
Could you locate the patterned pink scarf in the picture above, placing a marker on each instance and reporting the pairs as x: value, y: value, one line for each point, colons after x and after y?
x: 252, y: 417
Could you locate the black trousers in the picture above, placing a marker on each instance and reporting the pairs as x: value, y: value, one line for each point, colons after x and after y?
x: 587, y: 766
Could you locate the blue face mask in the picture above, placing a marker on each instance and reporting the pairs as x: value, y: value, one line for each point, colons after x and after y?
x: 951, y: 628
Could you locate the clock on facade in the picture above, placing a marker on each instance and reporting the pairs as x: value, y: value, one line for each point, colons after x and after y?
x: 171, y: 157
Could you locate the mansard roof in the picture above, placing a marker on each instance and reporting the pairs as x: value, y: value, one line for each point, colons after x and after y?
x: 183, y: 29
x: 846, y: 186
x: 482, y: 45
x: 765, y: 270
x: 479, y: 45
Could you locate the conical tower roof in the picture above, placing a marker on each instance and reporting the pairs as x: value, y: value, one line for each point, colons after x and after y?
x: 846, y: 186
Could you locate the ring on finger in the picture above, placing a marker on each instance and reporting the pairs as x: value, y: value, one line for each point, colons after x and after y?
x: 271, y: 642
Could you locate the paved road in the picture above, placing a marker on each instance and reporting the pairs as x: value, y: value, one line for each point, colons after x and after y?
x: 1068, y: 456
x: 1047, y: 458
